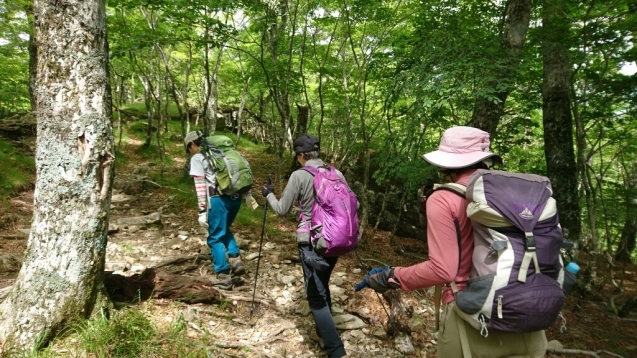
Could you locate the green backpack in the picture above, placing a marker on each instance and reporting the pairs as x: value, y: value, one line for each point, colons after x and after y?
x: 232, y: 171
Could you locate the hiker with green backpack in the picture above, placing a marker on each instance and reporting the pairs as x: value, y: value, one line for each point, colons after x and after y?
x: 494, y: 243
x: 222, y: 177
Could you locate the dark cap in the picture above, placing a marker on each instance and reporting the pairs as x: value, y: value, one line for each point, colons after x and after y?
x: 306, y: 143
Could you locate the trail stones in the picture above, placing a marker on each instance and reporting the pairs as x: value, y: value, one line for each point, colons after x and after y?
x: 150, y: 219
x: 112, y: 228
x: 348, y: 321
x: 403, y: 345
x: 117, y: 266
x: 417, y: 323
x: 287, y: 280
x: 303, y: 308
x: 121, y: 198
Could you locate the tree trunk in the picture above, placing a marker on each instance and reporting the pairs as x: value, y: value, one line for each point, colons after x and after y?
x: 302, y: 119
x: 33, y: 71
x: 558, y: 122
x: 627, y: 241
x: 61, y: 279
x: 398, y: 320
x: 487, y: 113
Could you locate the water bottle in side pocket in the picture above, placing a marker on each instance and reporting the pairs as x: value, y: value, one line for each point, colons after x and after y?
x: 570, y: 279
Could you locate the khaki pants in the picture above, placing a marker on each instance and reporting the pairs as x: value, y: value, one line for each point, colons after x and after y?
x: 496, y: 345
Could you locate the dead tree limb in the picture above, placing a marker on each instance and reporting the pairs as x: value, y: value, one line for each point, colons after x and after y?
x: 582, y: 352
x: 399, y: 314
x: 154, y: 283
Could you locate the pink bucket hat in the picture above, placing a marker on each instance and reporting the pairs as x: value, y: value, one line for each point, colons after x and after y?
x: 461, y: 147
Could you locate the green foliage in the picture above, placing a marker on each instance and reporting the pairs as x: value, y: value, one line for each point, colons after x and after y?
x: 127, y: 334
x: 18, y: 171
x: 14, y: 57
x: 382, y: 78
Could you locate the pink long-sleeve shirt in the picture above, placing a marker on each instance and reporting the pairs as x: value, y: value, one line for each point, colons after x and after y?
x: 445, y: 264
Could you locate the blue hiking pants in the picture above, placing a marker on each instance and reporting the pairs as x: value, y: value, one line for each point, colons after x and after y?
x: 320, y: 301
x: 223, y: 210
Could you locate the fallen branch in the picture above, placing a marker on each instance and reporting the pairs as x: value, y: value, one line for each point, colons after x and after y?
x: 627, y: 319
x: 180, y: 259
x: 261, y: 300
x: 158, y: 284
x: 195, y: 327
x: 582, y: 352
x: 405, y: 252
x: 214, y: 312
x: 398, y: 320
x: 373, y: 260
x: 167, y: 187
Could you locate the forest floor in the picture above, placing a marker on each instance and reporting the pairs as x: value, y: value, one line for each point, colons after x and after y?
x: 591, y: 324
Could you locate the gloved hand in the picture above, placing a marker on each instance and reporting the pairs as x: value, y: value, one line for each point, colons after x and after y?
x: 380, y: 279
x: 203, y: 220
x: 267, y: 189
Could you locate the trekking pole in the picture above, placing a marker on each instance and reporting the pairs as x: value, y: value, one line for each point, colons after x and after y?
x: 256, y: 276
x: 367, y: 267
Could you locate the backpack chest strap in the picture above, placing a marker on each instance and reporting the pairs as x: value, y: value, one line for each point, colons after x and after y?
x: 529, y: 255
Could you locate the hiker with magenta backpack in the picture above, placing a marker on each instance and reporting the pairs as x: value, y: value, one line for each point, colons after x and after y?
x: 321, y: 239
x: 494, y: 243
x: 220, y: 184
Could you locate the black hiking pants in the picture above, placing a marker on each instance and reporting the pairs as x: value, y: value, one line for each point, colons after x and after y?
x: 320, y: 302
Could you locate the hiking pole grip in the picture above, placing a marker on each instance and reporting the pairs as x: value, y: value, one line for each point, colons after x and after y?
x: 256, y: 275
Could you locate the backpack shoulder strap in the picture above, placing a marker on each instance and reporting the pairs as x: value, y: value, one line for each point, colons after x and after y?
x: 314, y: 170
x: 310, y: 169
x: 452, y: 187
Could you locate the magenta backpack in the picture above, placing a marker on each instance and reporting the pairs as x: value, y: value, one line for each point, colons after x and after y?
x: 334, y: 222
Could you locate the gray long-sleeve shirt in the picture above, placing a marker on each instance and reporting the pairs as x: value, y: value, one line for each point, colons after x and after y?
x: 299, y: 187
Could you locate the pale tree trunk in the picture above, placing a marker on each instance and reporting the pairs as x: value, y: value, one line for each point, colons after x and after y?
x: 517, y: 16
x: 220, y: 122
x: 61, y: 279
x: 185, y: 121
x: 242, y: 104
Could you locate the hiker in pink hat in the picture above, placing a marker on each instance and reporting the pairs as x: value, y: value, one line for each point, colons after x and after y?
x: 461, y: 152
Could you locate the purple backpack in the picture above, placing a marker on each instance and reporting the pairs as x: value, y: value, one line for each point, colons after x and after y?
x: 333, y: 226
x: 517, y: 274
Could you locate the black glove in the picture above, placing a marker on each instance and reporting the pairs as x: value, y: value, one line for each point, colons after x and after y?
x: 379, y: 279
x: 267, y: 189
x: 312, y: 259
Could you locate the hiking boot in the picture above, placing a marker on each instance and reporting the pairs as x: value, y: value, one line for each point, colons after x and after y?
x: 236, y: 266
x: 223, y: 281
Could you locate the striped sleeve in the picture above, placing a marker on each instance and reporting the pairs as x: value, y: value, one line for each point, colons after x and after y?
x: 200, y: 187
